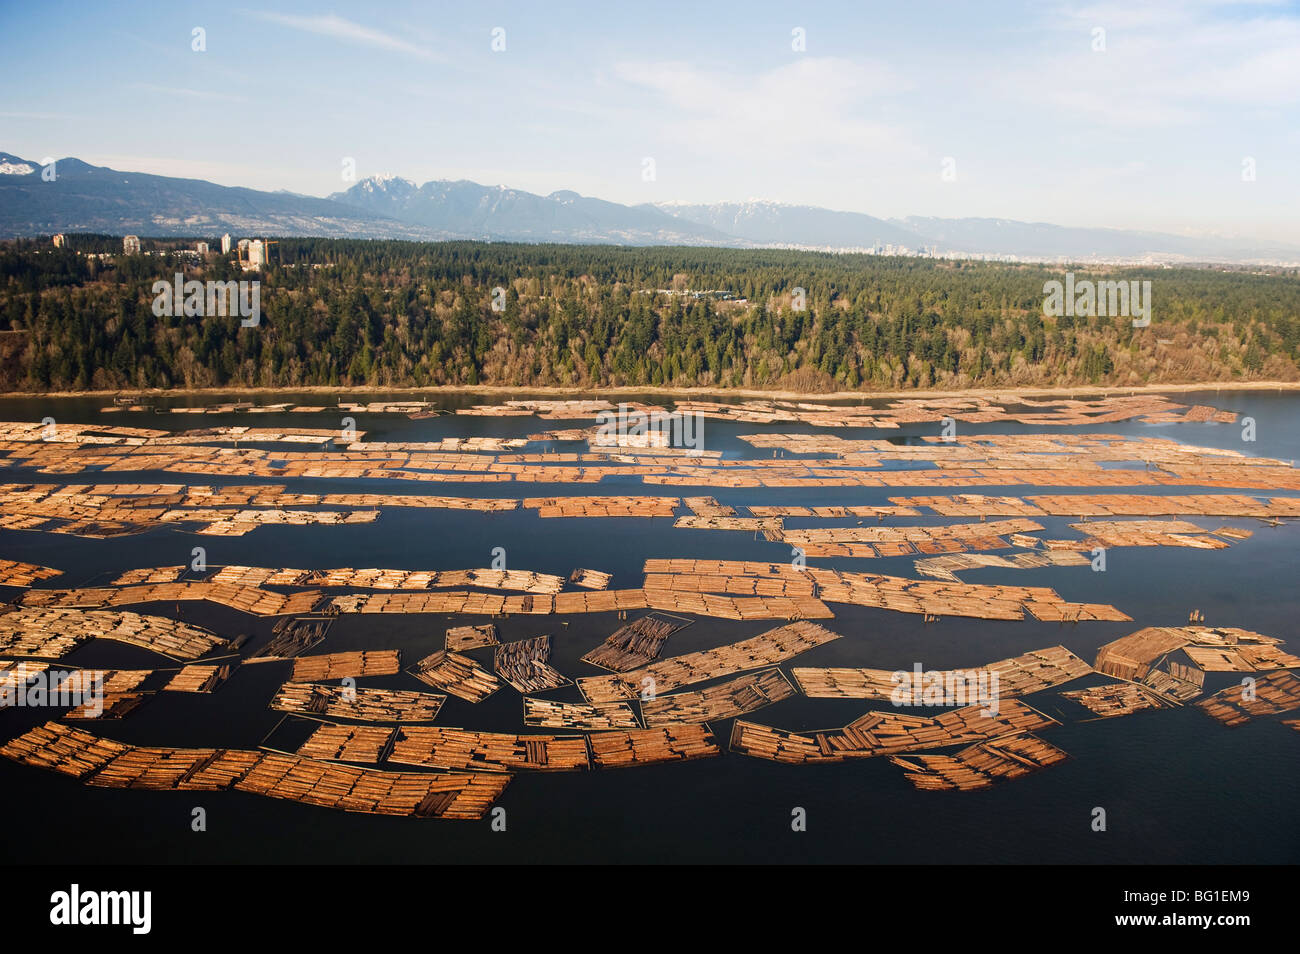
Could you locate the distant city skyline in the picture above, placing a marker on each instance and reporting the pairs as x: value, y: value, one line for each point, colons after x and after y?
x: 1180, y: 117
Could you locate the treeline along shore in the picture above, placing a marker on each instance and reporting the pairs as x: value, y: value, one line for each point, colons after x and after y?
x: 389, y: 314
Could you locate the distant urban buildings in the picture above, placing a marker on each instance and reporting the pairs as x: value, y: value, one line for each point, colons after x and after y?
x: 253, y: 253
x: 249, y: 253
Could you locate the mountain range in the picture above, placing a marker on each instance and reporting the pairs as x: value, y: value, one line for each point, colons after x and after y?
x: 85, y: 198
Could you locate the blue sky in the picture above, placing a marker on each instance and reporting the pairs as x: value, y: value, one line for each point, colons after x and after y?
x: 1149, y: 133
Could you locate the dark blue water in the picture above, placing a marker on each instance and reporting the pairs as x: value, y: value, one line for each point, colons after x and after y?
x: 1176, y: 786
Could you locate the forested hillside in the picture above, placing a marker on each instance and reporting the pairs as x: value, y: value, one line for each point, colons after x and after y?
x: 341, y: 312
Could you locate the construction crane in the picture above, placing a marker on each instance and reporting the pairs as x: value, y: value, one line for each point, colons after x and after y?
x: 266, y: 249
x: 245, y: 245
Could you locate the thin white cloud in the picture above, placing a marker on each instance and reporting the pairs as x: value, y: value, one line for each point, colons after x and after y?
x: 1157, y: 14
x: 335, y: 26
x: 811, y: 104
x: 184, y: 91
x: 1164, y: 63
x: 5, y: 115
x: 213, y: 170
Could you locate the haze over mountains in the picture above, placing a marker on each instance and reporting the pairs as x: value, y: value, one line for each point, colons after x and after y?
x: 87, y: 198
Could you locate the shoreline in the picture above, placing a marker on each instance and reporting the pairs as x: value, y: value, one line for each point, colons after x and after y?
x: 747, y: 393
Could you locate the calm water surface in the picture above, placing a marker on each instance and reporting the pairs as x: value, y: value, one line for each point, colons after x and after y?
x: 1176, y: 786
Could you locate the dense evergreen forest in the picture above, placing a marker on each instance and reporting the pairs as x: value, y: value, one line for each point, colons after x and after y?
x: 389, y: 314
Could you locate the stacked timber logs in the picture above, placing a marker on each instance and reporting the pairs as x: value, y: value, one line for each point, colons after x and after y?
x: 338, y: 665
x: 456, y: 674
x: 634, y: 644
x: 524, y: 665
x: 463, y: 749
x: 670, y: 743
x: 590, y: 579
x: 602, y: 506
x: 365, y: 705
x: 349, y: 788
x: 1274, y: 693
x: 726, y: 700
x: 247, y: 599
x: 461, y: 638
x: 50, y: 633
x: 349, y: 743
x: 1114, y: 699
x: 1017, y: 676
x: 546, y: 714
x: 980, y: 765
x: 766, y: 649
x: 14, y: 573
x: 886, y: 733
x: 293, y: 637
x: 198, y: 678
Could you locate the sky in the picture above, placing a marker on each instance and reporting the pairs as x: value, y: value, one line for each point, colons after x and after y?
x: 1161, y: 116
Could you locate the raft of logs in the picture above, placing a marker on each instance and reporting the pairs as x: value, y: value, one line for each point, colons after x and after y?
x: 634, y: 644
x: 51, y: 633
x: 152, y: 574
x: 708, y: 507
x: 946, y: 567
x: 523, y: 664
x: 1146, y: 533
x: 602, y: 506
x: 292, y: 637
x: 16, y: 573
x: 886, y: 733
x: 974, y: 536
x: 670, y: 743
x: 1017, y: 676
x: 1115, y: 505
x: 1209, y: 649
x: 458, y: 675
x: 581, y: 716
x: 349, y: 743
x: 198, y: 678
x: 766, y: 649
x: 980, y: 765
x: 246, y: 599
x: 109, y: 680
x: 726, y: 700
x: 112, y: 705
x: 383, y: 662
x: 104, y: 763
x: 1271, y: 694
x: 1115, y: 699
x: 590, y: 579
x: 747, y: 524
x: 16, y: 673
x: 901, y: 594
x: 600, y: 601
x: 461, y: 638
x: 464, y: 750
x: 362, y: 704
